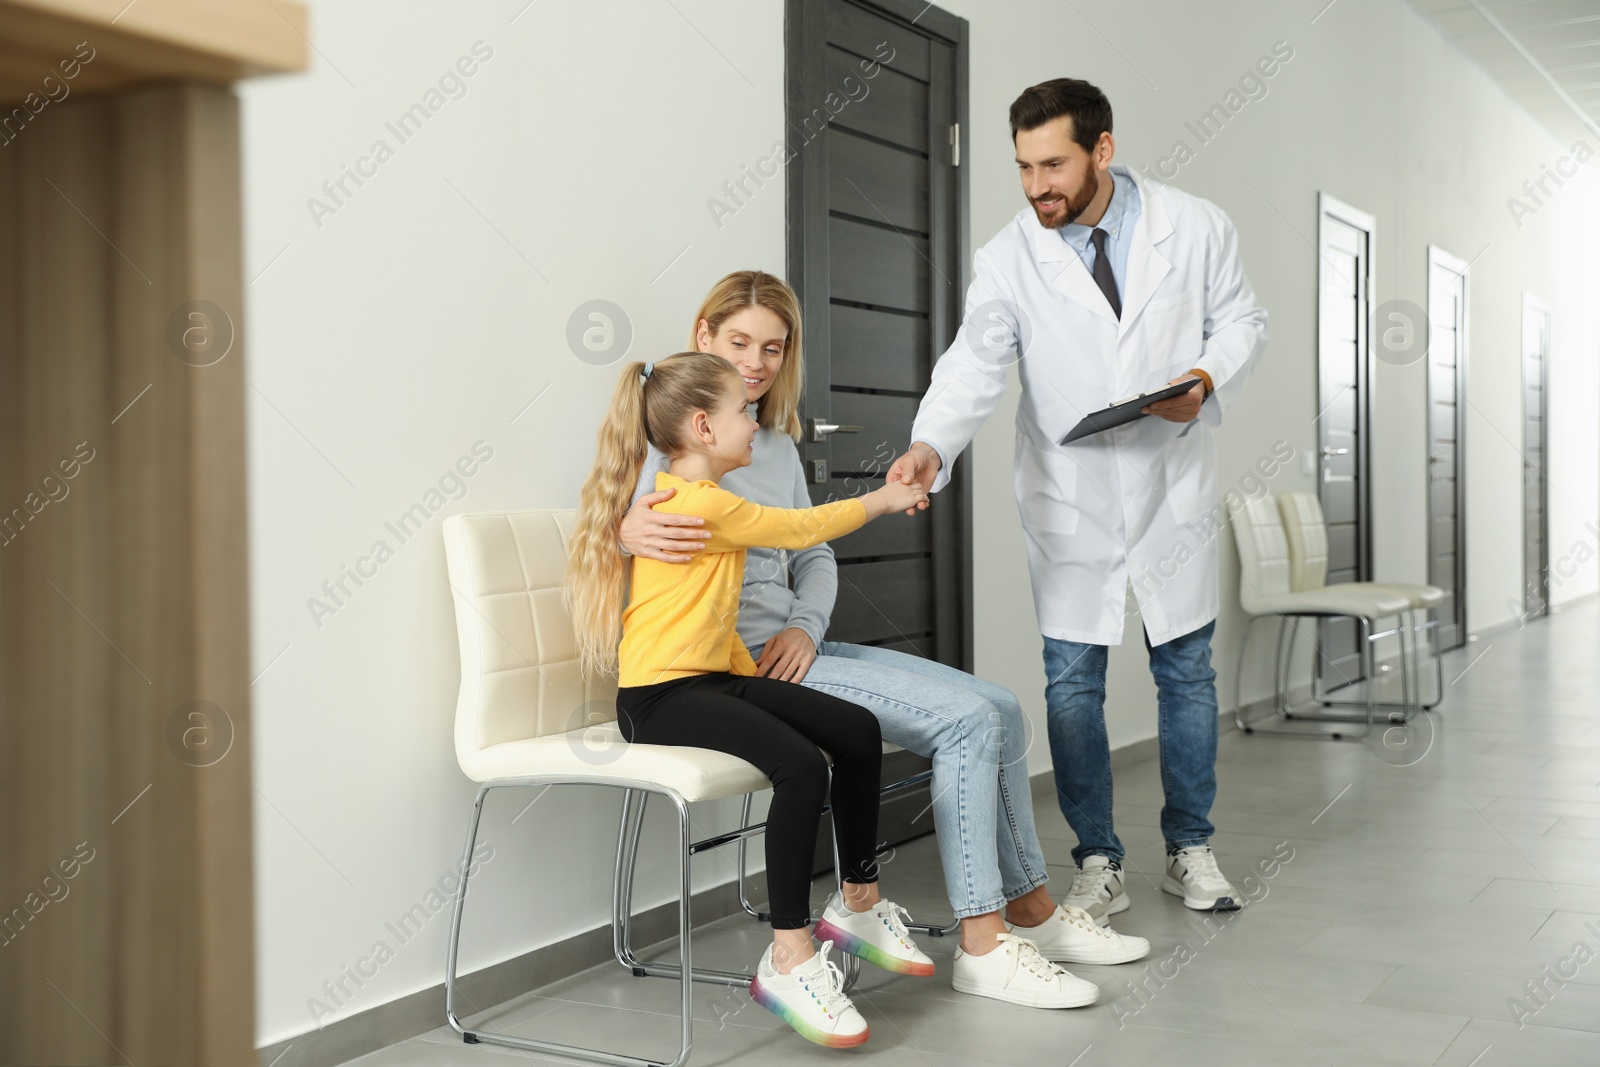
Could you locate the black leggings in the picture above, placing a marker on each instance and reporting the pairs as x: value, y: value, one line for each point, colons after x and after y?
x: 781, y: 728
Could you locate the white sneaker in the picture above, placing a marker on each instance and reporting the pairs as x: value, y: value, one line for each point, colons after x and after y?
x: 878, y: 936
x: 1097, y: 889
x: 1071, y: 936
x: 1193, y: 875
x: 1016, y: 973
x: 811, y: 999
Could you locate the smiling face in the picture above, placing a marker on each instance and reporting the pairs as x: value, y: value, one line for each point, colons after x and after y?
x: 728, y: 434
x: 1061, y: 179
x: 753, y: 340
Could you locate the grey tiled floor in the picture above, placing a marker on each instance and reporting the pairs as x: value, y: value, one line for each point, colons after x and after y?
x: 1429, y: 882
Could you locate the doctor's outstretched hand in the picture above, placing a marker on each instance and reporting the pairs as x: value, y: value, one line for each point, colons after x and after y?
x: 1185, y: 407
x: 918, y: 466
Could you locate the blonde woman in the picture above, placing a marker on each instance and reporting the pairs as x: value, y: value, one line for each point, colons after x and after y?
x: 1012, y: 933
x: 684, y: 677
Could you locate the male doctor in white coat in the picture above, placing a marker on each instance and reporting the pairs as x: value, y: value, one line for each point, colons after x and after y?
x: 1103, y: 287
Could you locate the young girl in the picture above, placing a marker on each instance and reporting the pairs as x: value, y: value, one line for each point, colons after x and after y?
x: 685, y: 678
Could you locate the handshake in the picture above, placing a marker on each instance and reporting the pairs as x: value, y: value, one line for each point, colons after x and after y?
x: 910, y: 479
x: 894, y: 496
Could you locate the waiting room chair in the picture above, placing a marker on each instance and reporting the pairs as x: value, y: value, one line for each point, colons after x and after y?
x: 1265, y: 593
x: 1307, y: 536
x: 526, y: 716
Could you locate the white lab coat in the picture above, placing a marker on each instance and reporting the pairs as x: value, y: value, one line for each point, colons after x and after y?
x: 1136, y: 503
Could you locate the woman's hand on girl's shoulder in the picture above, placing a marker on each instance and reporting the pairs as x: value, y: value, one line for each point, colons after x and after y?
x: 661, y: 535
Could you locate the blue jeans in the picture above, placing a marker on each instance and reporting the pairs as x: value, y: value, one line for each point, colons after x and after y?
x: 1075, y: 694
x: 976, y: 735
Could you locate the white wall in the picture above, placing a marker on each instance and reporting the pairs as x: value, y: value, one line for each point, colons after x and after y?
x: 418, y: 319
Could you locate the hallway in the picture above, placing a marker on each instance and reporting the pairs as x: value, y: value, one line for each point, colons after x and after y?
x: 1426, y: 884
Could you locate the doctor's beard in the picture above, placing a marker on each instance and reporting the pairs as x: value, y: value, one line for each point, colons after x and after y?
x: 1073, y: 206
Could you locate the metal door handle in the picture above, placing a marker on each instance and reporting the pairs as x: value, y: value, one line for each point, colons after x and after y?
x: 821, y: 430
x: 1335, y: 451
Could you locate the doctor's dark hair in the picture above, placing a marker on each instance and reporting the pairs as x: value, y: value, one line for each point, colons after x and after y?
x: 653, y: 410
x: 1085, y: 104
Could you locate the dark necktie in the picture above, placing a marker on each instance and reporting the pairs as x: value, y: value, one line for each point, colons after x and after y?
x: 1103, y: 277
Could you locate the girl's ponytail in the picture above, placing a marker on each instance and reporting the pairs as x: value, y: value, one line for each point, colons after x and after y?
x: 596, y: 570
x: 679, y: 385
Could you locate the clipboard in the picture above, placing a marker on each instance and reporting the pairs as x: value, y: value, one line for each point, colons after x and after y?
x: 1124, y: 411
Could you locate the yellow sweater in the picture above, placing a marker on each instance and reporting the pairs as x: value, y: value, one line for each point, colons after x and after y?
x: 681, y: 617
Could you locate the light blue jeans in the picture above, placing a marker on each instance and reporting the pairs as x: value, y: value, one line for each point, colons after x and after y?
x: 1186, y: 723
x: 976, y: 735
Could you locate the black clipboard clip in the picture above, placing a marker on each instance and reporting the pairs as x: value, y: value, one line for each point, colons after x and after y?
x: 1125, y: 411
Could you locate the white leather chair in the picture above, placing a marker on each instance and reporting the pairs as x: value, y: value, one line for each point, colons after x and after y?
x: 1307, y: 536
x: 526, y: 716
x: 1265, y: 593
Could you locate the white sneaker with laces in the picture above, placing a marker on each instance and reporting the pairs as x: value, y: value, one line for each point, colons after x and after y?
x: 1071, y: 936
x: 878, y: 935
x: 1097, y: 889
x: 1015, y: 973
x: 1193, y: 875
x: 811, y: 999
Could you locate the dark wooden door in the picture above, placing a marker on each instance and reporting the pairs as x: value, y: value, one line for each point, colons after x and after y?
x: 1344, y: 345
x: 876, y: 247
x: 1447, y: 366
x: 1535, y: 459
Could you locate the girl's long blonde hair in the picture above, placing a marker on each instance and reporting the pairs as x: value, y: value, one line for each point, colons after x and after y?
x: 656, y: 411
x: 779, y: 408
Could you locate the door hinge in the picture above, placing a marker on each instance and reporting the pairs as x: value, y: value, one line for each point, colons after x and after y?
x: 955, y: 145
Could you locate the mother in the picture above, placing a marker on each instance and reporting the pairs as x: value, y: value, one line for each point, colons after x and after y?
x: 972, y: 729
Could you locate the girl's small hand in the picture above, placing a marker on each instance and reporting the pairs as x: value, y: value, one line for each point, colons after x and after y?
x: 787, y: 657
x: 661, y: 535
x: 897, y: 496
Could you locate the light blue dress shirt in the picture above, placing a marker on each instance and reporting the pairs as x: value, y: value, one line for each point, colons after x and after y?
x: 1122, y: 213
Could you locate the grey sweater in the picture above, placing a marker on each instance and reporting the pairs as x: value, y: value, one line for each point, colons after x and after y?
x: 768, y: 602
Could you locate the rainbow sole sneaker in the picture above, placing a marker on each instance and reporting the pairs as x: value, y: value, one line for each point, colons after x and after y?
x: 878, y: 936
x: 811, y: 999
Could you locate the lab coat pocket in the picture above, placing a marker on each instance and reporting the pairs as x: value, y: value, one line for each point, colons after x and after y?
x: 1173, y: 332
x: 1046, y: 484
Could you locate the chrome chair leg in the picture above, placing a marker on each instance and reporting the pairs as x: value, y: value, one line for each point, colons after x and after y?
x: 1238, y: 676
x: 684, y: 966
x: 453, y: 947
x: 627, y: 859
x: 622, y: 878
x: 1368, y: 651
x: 626, y: 955
x: 1283, y: 670
x: 1409, y: 707
x: 1283, y: 666
x: 744, y: 900
x: 1438, y: 659
x: 685, y: 925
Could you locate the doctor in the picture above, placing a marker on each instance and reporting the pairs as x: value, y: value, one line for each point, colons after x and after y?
x: 1106, y: 286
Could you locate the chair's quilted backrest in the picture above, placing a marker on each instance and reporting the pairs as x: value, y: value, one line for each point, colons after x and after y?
x: 1263, y: 554
x: 1307, y: 538
x: 519, y: 654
